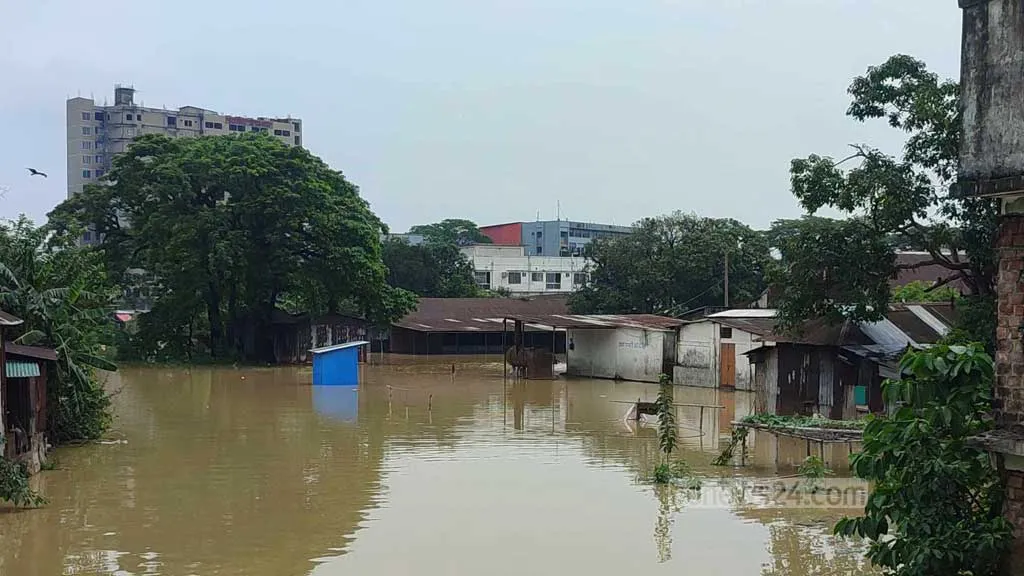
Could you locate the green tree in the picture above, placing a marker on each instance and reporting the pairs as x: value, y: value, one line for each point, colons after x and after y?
x: 936, y: 503
x: 230, y: 226
x: 674, y: 263
x: 61, y: 293
x: 430, y: 270
x: 921, y: 291
x: 453, y: 231
x: 892, y: 203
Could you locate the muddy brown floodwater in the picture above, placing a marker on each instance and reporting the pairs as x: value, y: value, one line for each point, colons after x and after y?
x: 255, y: 472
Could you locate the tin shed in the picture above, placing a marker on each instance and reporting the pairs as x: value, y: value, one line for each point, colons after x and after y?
x: 337, y: 365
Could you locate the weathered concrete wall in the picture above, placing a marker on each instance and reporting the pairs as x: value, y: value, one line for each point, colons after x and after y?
x: 698, y: 355
x: 624, y: 353
x: 992, y: 83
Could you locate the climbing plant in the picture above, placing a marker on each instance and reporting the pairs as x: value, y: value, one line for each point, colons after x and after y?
x: 936, y: 504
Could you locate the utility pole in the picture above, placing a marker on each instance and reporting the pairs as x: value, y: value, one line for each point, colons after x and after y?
x: 726, y: 278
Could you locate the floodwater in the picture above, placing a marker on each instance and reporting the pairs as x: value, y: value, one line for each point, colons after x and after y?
x: 255, y: 472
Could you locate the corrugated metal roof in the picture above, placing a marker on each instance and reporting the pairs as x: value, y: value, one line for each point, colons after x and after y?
x: 584, y: 321
x: 20, y: 369
x: 30, y: 351
x: 339, y: 346
x: 745, y: 313
x: 8, y: 319
x: 477, y: 314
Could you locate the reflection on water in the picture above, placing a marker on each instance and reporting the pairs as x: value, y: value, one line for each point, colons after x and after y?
x: 255, y: 472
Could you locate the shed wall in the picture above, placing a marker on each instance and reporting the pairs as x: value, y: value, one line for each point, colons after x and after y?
x: 698, y: 355
x: 622, y: 353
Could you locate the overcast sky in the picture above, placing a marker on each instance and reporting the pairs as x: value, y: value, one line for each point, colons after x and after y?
x: 493, y: 110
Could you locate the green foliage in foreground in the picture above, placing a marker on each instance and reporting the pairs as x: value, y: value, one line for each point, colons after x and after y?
x: 61, y: 293
x: 14, y: 486
x: 936, y: 504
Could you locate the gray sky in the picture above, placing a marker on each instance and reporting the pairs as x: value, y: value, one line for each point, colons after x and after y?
x: 493, y: 110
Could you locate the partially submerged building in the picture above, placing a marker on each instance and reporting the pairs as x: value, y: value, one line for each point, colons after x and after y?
x: 474, y: 325
x: 295, y: 335
x: 836, y: 371
x: 637, y: 347
x: 711, y: 350
x: 23, y: 397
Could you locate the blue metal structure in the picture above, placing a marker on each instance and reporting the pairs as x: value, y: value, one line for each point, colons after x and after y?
x: 337, y: 365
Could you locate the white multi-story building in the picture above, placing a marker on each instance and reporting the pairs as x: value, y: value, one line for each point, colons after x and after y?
x: 95, y: 133
x: 512, y: 268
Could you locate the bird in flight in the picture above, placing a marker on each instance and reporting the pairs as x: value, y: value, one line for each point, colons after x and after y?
x: 34, y: 172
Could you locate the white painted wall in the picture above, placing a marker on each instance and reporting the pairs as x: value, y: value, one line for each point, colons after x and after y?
x: 499, y: 261
x: 697, y: 355
x: 623, y: 353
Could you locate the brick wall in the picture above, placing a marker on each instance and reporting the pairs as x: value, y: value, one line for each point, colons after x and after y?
x: 1008, y: 401
x: 1009, y: 392
x: 1014, y: 512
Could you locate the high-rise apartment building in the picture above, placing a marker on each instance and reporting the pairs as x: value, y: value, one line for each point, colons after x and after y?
x: 98, y: 132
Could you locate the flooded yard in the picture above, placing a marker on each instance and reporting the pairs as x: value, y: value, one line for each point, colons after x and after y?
x: 254, y: 472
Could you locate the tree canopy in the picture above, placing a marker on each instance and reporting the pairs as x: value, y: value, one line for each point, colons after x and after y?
x: 430, y: 270
x: 841, y: 268
x: 452, y: 231
x: 674, y: 263
x: 230, y: 226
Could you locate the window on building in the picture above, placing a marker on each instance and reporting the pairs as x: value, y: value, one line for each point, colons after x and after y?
x: 87, y: 145
x: 254, y: 128
x: 86, y: 131
x: 278, y: 133
x: 86, y: 116
x: 87, y: 236
x: 99, y: 172
x: 98, y: 116
x: 129, y: 132
x: 286, y: 132
x: 208, y: 124
x: 515, y: 277
x: 579, y: 278
x: 725, y: 333
x: 298, y: 140
x: 86, y: 159
x: 540, y: 233
x: 553, y: 280
x: 483, y: 279
x: 218, y: 126
x: 297, y: 126
x: 86, y: 174
x: 537, y: 277
x: 99, y: 158
x: 138, y: 117
x: 172, y: 120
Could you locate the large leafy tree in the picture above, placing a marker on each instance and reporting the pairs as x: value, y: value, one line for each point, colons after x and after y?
x: 454, y: 231
x: 841, y: 268
x: 430, y: 270
x: 673, y: 263
x: 230, y: 226
x: 62, y: 294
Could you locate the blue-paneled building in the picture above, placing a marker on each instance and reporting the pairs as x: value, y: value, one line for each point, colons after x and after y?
x: 337, y: 365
